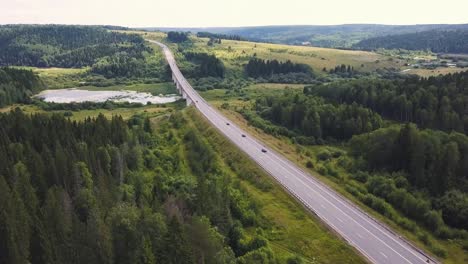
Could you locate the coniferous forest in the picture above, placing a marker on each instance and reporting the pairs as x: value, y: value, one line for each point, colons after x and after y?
x: 17, y: 85
x: 440, y: 41
x: 63, y: 46
x: 115, y: 191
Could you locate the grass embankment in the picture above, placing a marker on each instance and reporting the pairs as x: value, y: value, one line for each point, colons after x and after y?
x: 153, y: 88
x: 125, y: 112
x: 291, y: 229
x: 228, y: 102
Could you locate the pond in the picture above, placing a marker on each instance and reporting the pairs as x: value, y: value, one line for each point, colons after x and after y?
x: 79, y: 96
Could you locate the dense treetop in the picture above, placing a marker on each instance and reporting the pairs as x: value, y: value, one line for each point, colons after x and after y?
x: 17, y: 85
x: 110, y: 191
x: 440, y: 41
x: 218, y: 36
x: 177, y: 37
x: 435, y: 102
x: 63, y: 46
x: 261, y: 68
x: 312, y: 117
x: 206, y: 65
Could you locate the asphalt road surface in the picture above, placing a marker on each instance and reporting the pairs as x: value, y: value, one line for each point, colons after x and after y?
x: 372, y: 239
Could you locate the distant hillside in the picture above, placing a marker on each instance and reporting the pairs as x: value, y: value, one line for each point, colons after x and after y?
x: 453, y: 41
x: 334, y: 36
x: 63, y: 46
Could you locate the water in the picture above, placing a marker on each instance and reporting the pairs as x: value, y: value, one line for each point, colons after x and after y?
x: 79, y: 96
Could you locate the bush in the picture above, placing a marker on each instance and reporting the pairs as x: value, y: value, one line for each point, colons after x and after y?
x: 406, y: 224
x: 324, y: 155
x: 424, y: 237
x: 322, y: 170
x: 360, y: 176
x: 331, y: 170
x: 440, y: 252
x: 294, y: 260
x: 309, y: 164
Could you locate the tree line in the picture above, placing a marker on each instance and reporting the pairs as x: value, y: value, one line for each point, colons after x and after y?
x: 260, y: 68
x: 311, y: 117
x: 219, y: 36
x: 440, y: 41
x: 177, y: 37
x: 18, y: 85
x: 113, y: 191
x: 207, y: 65
x: 435, y: 102
x: 431, y: 162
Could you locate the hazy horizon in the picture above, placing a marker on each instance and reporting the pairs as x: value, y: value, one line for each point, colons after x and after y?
x: 242, y: 13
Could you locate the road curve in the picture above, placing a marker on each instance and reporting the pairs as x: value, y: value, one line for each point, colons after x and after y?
x: 373, y: 239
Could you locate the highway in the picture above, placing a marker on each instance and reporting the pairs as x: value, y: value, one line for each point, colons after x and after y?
x: 371, y: 238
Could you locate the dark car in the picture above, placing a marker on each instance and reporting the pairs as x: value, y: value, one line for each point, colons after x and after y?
x: 243, y: 135
x: 264, y: 150
x: 227, y: 124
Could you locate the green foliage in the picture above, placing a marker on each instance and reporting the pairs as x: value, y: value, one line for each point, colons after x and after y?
x: 107, y: 191
x: 17, y: 85
x: 63, y: 46
x: 260, y: 68
x: 454, y: 207
x: 218, y: 36
x: 435, y: 102
x: 207, y: 65
x: 440, y: 41
x: 177, y: 37
x: 312, y: 117
x: 432, y: 161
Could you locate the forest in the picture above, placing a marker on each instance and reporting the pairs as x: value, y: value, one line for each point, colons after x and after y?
x: 18, y: 85
x: 115, y: 191
x: 206, y: 65
x: 436, y: 102
x: 64, y: 46
x: 177, y: 37
x: 311, y: 117
x: 218, y: 36
x: 439, y: 41
x: 432, y: 162
x: 260, y: 68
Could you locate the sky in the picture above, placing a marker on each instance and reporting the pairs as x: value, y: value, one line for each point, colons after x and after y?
x: 225, y: 13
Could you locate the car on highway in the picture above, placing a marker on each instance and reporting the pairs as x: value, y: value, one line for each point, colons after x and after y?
x: 243, y: 135
x: 264, y: 150
x: 227, y: 124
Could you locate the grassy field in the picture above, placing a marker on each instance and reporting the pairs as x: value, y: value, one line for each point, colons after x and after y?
x: 126, y: 113
x: 153, y: 88
x: 292, y: 230
x: 435, y: 72
x: 227, y: 103
x: 236, y: 53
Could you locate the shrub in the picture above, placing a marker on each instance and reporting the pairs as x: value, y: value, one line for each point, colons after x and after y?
x: 322, y: 170
x: 440, y: 252
x: 361, y: 176
x: 324, y: 155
